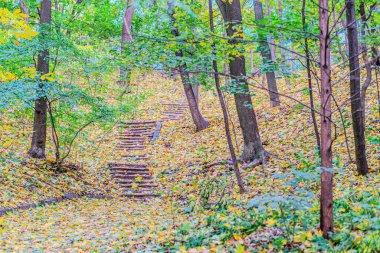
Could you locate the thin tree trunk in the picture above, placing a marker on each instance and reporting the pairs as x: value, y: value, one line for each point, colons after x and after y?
x: 199, y: 121
x: 253, y: 149
x: 357, y: 109
x: 25, y: 10
x: 343, y: 23
x: 341, y: 52
x: 271, y: 46
x: 308, y: 66
x: 367, y: 62
x: 326, y: 210
x: 282, y: 52
x: 126, y: 36
x: 38, y: 144
x: 267, y: 59
x: 223, y: 106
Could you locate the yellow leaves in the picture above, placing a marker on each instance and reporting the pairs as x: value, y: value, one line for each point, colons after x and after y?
x: 16, y: 42
x: 47, y: 77
x: 303, y: 237
x: 240, y: 249
x: 7, y: 143
x: 237, y: 237
x: 182, y: 249
x: 271, y: 222
x: 138, y: 179
x: 357, y: 209
x: 358, y: 239
x: 7, y: 76
x: 15, y: 25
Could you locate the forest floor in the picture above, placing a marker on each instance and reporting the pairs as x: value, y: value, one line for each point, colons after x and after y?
x: 200, y: 209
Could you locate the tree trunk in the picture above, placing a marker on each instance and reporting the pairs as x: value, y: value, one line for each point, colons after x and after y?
x: 267, y: 59
x: 199, y: 121
x: 356, y: 103
x: 282, y: 52
x: 340, y: 50
x: 308, y: 66
x: 231, y: 12
x: 126, y: 36
x: 367, y: 62
x: 326, y: 210
x: 196, y: 92
x: 223, y: 106
x: 271, y: 46
x: 25, y: 10
x: 37, y: 147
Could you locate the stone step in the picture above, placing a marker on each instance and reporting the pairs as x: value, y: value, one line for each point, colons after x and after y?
x: 140, y: 122
x: 131, y: 181
x: 134, y: 156
x: 129, y: 169
x: 135, y: 136
x: 122, y: 147
x: 131, y: 177
x: 127, y: 165
x: 138, y: 131
x: 124, y: 185
x: 131, y: 173
x: 139, y: 195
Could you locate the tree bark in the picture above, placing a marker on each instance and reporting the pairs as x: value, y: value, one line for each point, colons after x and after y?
x: 199, y: 121
x: 357, y: 109
x: 326, y: 210
x: 253, y: 149
x: 25, y: 10
x: 38, y: 144
x: 126, y: 36
x: 308, y: 69
x: 367, y: 62
x: 271, y: 46
x: 267, y: 59
x: 282, y: 52
x: 223, y: 106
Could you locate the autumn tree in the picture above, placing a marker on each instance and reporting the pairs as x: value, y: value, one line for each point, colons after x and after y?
x: 357, y: 109
x: 253, y: 149
x: 37, y: 147
x: 267, y: 59
x: 199, y: 121
x: 326, y: 209
x: 223, y: 105
x: 126, y: 36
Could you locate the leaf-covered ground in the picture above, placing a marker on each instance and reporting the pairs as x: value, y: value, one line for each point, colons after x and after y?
x: 200, y: 209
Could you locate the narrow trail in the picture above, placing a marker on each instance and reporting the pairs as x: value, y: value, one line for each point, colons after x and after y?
x: 132, y: 173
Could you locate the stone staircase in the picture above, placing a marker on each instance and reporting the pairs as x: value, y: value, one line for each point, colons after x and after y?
x: 131, y: 172
x: 175, y: 111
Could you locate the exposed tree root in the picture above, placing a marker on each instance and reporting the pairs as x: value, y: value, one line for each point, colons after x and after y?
x: 263, y: 158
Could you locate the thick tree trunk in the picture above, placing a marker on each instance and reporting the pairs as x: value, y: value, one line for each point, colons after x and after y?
x: 308, y: 69
x: 253, y: 148
x: 199, y: 121
x: 267, y: 59
x: 37, y: 147
x: 126, y: 36
x: 224, y: 108
x: 355, y: 92
x: 326, y: 210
